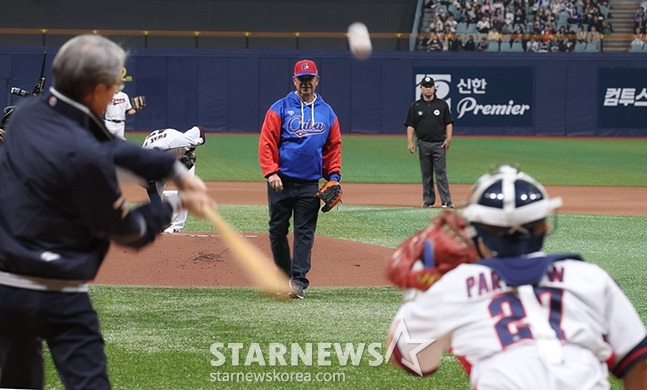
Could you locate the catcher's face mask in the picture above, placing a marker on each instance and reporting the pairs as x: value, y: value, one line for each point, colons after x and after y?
x: 504, y: 207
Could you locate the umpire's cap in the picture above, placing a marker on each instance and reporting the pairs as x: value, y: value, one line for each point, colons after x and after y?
x: 427, y: 81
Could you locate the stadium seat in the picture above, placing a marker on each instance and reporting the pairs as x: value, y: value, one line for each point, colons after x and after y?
x: 580, y: 47
x: 505, y: 46
x: 592, y: 47
x: 516, y: 46
x: 461, y: 28
x: 636, y: 47
x: 493, y: 46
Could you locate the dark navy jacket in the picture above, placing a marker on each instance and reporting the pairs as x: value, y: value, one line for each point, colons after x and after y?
x: 60, y: 202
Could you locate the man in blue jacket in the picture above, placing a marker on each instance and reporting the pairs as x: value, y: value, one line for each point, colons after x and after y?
x: 300, y: 143
x: 60, y: 206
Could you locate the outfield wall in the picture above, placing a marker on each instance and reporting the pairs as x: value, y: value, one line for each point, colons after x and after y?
x: 588, y: 94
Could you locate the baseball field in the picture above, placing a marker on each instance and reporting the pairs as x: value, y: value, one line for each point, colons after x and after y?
x: 181, y: 314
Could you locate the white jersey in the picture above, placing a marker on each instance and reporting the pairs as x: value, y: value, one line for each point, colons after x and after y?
x: 490, y: 329
x: 115, y: 115
x: 178, y: 143
x: 169, y: 139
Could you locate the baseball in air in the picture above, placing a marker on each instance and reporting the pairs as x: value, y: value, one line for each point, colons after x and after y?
x: 359, y: 41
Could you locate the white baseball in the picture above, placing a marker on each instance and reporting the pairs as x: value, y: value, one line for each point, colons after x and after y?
x: 359, y: 41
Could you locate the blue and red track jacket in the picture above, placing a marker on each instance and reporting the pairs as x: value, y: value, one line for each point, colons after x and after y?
x: 300, y: 141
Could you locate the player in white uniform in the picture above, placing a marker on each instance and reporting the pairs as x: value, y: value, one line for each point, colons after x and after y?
x: 522, y: 319
x: 182, y: 145
x: 115, y: 115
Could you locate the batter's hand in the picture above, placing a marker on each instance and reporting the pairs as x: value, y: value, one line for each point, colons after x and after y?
x: 275, y: 182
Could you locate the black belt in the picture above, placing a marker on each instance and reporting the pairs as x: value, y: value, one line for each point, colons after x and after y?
x: 114, y: 120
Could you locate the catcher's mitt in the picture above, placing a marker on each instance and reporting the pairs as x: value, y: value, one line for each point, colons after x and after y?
x: 430, y: 253
x: 138, y: 102
x: 330, y: 193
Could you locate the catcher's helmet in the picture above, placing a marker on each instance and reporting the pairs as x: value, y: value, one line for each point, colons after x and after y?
x: 503, y: 207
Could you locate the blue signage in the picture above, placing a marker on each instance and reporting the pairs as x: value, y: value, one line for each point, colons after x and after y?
x: 484, y: 96
x: 622, y: 98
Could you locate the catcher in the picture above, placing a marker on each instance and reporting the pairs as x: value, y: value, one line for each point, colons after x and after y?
x: 519, y: 318
x: 182, y: 145
x: 119, y: 106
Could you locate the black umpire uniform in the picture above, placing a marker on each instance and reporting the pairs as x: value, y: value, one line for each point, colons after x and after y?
x: 430, y: 119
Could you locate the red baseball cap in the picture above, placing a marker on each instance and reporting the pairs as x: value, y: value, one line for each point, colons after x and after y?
x: 305, y: 68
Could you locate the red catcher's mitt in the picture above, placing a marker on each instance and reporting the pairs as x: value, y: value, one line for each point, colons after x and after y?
x: 441, y: 247
x: 330, y: 193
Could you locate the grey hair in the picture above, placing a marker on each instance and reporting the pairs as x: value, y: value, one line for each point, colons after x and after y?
x: 86, y: 61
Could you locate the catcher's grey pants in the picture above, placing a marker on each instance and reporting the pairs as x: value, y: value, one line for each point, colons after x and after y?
x: 432, y: 158
x: 297, y: 199
x: 69, y: 325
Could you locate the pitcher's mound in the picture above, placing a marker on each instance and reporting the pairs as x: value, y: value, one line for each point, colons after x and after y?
x: 205, y: 260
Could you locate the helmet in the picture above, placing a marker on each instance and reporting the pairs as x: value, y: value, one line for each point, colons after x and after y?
x: 503, y: 206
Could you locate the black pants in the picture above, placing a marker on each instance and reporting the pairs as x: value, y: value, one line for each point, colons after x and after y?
x: 297, y: 200
x: 433, y: 161
x: 69, y: 325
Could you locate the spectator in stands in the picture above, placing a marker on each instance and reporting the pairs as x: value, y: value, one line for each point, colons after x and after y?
x: 456, y: 44
x: 570, y: 34
x: 493, y: 36
x: 640, y: 24
x: 483, y: 26
x: 639, y: 36
x: 497, y: 20
x: 517, y: 35
x: 498, y: 5
x: 550, y: 24
x: 569, y: 44
x: 438, y: 24
x: 505, y: 34
x: 581, y: 35
x: 508, y: 16
x: 469, y: 45
x: 451, y: 22
x: 520, y: 17
x: 472, y: 16
x: 575, y: 18
x: 597, y: 23
x: 537, y: 25
x: 555, y: 45
x: 486, y: 8
x: 532, y: 45
x: 482, y: 45
x: 593, y: 37
x: 640, y: 13
x: 434, y: 43
x: 446, y: 37
x: 543, y: 16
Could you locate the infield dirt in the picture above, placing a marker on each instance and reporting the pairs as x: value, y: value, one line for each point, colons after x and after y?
x: 194, y: 259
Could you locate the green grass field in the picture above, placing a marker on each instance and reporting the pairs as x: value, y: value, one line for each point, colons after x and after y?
x: 162, y: 338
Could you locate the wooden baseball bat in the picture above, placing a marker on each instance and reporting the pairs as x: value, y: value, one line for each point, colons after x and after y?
x: 258, y: 266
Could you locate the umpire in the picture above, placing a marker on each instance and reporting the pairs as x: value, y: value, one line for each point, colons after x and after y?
x: 60, y: 206
x: 430, y: 120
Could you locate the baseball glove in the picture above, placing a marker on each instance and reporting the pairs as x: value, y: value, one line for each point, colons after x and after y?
x: 430, y: 253
x: 138, y: 102
x: 330, y: 193
x: 188, y: 159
